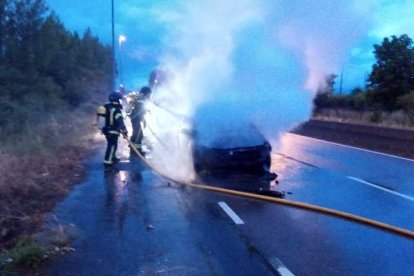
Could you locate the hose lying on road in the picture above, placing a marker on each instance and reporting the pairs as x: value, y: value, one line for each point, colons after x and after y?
x: 306, y: 206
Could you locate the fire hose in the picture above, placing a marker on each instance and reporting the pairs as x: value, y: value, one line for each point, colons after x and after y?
x: 323, y: 210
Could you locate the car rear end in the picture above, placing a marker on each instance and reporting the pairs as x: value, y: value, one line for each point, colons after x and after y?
x: 252, y: 159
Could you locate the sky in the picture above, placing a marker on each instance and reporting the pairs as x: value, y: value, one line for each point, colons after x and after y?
x: 324, y: 35
x: 256, y: 61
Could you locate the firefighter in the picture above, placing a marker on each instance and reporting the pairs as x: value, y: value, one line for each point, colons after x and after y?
x: 137, y: 115
x: 114, y: 125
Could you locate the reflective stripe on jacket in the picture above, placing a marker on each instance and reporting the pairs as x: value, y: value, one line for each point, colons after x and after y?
x: 114, y: 122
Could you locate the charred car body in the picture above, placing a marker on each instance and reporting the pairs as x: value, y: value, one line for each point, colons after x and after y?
x: 225, y: 141
x: 245, y: 150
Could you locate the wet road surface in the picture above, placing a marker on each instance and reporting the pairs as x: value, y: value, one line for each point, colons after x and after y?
x: 133, y: 222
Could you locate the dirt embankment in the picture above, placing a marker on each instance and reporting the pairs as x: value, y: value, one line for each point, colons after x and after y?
x: 32, y: 186
x: 394, y: 141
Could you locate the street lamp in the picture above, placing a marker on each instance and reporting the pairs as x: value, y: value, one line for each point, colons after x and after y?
x: 113, y: 42
x: 121, y: 39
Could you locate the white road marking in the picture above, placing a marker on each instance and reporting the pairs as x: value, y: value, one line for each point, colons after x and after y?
x: 366, y: 150
x: 230, y: 213
x: 380, y: 188
x: 280, y: 267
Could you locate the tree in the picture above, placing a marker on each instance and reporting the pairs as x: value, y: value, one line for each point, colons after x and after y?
x: 358, y: 100
x: 29, y: 17
x: 3, y: 23
x: 44, y: 67
x: 392, y: 75
x: 327, y: 87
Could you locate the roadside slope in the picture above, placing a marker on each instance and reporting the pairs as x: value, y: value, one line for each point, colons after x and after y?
x: 394, y: 141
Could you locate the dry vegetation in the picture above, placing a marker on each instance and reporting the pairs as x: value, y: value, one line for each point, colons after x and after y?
x: 395, y: 119
x: 38, y: 169
x: 31, y: 186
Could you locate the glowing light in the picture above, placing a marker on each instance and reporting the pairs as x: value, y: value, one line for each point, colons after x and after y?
x: 122, y: 176
x: 121, y: 39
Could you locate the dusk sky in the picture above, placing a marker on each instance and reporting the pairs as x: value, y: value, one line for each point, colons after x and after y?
x: 267, y: 57
x: 322, y: 36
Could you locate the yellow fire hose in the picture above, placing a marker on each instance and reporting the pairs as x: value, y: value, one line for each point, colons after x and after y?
x: 379, y: 225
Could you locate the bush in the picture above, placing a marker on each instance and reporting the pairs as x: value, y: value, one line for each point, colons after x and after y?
x: 407, y: 104
x: 376, y: 117
x: 358, y: 101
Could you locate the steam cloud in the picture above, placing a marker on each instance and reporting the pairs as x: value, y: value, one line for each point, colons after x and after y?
x: 251, y: 66
x: 322, y: 33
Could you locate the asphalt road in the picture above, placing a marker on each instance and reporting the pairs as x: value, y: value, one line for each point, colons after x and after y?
x: 134, y: 222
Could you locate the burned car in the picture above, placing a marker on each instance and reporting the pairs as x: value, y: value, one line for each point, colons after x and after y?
x: 225, y: 141
x: 245, y: 151
x: 217, y: 138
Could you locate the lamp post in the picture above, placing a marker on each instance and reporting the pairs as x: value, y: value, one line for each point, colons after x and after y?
x: 121, y: 39
x: 113, y: 44
x: 340, y: 84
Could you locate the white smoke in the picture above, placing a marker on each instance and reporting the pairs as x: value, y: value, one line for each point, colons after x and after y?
x: 239, y: 55
x: 323, y: 33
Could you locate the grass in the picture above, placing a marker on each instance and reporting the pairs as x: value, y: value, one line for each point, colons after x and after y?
x: 26, y: 254
x: 29, y: 252
x: 30, y: 185
x: 396, y: 119
x: 38, y: 169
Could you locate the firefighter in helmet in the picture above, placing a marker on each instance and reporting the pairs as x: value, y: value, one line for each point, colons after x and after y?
x: 114, y: 125
x: 137, y: 115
